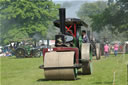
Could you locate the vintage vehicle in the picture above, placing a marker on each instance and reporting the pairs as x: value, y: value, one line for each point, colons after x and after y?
x: 69, y: 54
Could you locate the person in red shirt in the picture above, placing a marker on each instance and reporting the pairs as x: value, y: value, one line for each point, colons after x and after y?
x: 106, y: 50
x: 116, y: 47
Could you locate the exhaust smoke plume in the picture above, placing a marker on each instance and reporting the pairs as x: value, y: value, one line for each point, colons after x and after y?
x: 71, y: 7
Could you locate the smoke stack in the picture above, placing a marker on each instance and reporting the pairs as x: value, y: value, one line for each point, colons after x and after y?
x: 62, y: 20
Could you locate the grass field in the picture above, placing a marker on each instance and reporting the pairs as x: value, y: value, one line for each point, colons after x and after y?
x: 25, y: 71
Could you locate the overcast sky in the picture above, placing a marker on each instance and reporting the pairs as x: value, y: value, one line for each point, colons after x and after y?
x: 71, y: 11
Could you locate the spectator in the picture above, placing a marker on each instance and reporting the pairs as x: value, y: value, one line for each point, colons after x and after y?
x: 116, y: 49
x: 106, y: 50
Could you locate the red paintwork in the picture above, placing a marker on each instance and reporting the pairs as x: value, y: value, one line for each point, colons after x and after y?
x: 68, y: 30
x: 75, y: 30
x: 63, y: 49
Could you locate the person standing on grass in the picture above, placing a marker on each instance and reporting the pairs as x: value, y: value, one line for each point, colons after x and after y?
x: 106, y: 50
x: 116, y: 47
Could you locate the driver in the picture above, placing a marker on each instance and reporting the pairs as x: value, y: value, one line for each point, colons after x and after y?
x: 84, y: 37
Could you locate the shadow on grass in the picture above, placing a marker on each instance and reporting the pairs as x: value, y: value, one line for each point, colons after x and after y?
x: 81, y: 74
x: 23, y: 58
x: 100, y: 83
x: 16, y: 58
x: 40, y: 80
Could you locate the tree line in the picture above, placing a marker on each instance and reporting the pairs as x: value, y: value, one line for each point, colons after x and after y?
x: 22, y: 19
x: 110, y: 16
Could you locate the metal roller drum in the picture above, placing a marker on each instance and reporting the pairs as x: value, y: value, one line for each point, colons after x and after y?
x: 86, y: 64
x: 56, y: 61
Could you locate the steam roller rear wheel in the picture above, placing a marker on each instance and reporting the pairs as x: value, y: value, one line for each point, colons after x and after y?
x: 86, y: 58
x: 98, y: 51
x: 59, y: 60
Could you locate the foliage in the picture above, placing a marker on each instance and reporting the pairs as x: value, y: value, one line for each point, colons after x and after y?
x: 24, y: 18
x: 112, y: 17
x: 105, y: 19
x: 90, y: 9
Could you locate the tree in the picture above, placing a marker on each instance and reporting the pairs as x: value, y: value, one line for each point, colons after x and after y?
x: 105, y: 19
x: 114, y: 18
x: 90, y: 9
x: 24, y: 18
x: 111, y: 20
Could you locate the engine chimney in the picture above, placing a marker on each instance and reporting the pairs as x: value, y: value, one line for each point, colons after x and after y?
x: 62, y: 20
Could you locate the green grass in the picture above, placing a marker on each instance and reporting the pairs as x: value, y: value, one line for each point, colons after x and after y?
x: 25, y: 71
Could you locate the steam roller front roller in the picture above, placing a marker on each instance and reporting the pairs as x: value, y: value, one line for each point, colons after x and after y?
x: 86, y: 57
x: 59, y: 65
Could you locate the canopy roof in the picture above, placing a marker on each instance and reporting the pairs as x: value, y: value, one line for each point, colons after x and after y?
x: 71, y: 21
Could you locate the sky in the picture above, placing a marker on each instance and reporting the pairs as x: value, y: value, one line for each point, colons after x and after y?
x: 71, y: 12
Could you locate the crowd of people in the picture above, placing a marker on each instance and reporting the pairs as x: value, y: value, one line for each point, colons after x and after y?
x: 107, y: 49
x: 5, y: 51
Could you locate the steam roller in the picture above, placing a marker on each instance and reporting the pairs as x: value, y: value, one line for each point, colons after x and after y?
x: 69, y: 54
